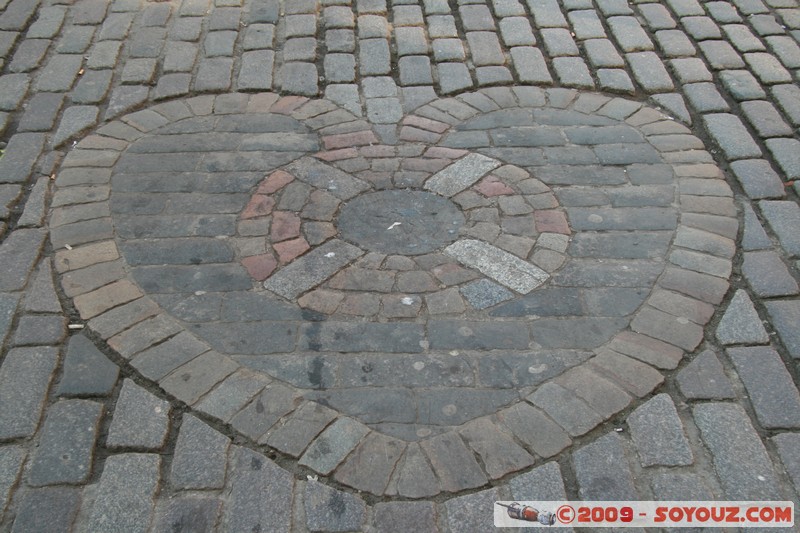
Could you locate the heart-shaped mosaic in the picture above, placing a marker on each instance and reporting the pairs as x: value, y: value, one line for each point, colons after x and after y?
x: 505, y: 259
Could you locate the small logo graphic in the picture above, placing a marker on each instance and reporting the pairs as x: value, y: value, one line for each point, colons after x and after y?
x: 529, y: 514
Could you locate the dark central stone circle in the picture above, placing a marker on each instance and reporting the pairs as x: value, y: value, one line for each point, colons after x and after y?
x: 403, y: 222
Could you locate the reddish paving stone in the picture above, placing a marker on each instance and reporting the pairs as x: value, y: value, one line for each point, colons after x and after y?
x: 258, y: 206
x: 346, y: 140
x: 285, y: 225
x: 288, y: 250
x: 260, y: 267
x: 551, y: 221
x: 274, y: 182
x: 492, y: 186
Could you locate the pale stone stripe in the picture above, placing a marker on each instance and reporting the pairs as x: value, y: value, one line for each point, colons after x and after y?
x: 312, y: 269
x: 454, y: 178
x: 498, y: 264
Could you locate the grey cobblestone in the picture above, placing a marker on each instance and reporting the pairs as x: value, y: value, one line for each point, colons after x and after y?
x: 24, y: 380
x: 736, y: 450
x: 603, y: 471
x: 140, y: 419
x: 125, y: 493
x: 784, y: 314
x: 658, y: 434
x: 47, y: 509
x: 200, y: 460
x: 772, y: 392
x: 67, y: 444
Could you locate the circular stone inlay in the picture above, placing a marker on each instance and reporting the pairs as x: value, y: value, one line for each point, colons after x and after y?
x: 400, y: 222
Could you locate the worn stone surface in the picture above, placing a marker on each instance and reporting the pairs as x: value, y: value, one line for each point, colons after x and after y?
x: 580, y: 184
x: 67, y: 447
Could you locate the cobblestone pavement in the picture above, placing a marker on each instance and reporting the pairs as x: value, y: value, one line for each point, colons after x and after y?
x: 372, y: 265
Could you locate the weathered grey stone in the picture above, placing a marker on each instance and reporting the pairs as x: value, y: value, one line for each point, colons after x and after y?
x: 11, y: 462
x: 731, y: 135
x: 359, y: 337
x: 704, y: 378
x: 140, y: 420
x: 569, y: 411
x: 784, y: 217
x: 543, y: 483
x: 200, y: 458
x: 483, y: 293
x: 87, y: 371
x: 769, y: 385
x: 740, y: 460
x: 658, y: 434
x: 370, y: 465
x: 8, y: 306
x: 66, y: 449
x: 24, y: 379
x: 741, y: 324
x: 47, y: 509
x: 331, y: 510
x: 603, y: 471
x: 768, y: 275
x: 333, y: 445
x: 295, y: 434
x: 187, y: 513
x: 788, y: 445
x: 785, y: 316
x: 76, y: 119
x: 470, y: 512
x: 498, y: 451
x: 125, y: 493
x: 399, y: 517
x: 20, y: 156
x: 233, y: 394
x: 453, y: 463
x: 261, y: 494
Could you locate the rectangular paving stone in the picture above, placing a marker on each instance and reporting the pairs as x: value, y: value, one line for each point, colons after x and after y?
x: 468, y: 513
x: 356, y: 337
x: 201, y: 457
x: 769, y: 385
x: 20, y: 156
x: 126, y: 493
x: 498, y: 264
x: 24, y: 379
x: 11, y: 462
x: 60, y: 72
x: 768, y: 275
x: 144, y: 335
x: 370, y: 465
x: 788, y: 445
x: 8, y: 306
x: 328, y: 509
x: 784, y: 218
x: 140, y: 419
x: 603, y: 471
x: 460, y: 175
x: 275, y: 402
x: 604, y: 397
x: 785, y: 316
x: 194, y: 379
x: 740, y: 460
x: 322, y: 176
x: 457, y: 334
x: 66, y: 448
x: 659, y: 435
x: 295, y: 434
x: 233, y: 394
x: 87, y: 371
x: 261, y: 494
x: 632, y: 375
x: 120, y: 318
x: 48, y: 509
x: 498, y: 451
x: 333, y: 445
x: 193, y: 513
x: 453, y: 463
x: 568, y: 411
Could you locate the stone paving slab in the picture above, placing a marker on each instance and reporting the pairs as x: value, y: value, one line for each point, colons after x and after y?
x: 184, y: 215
